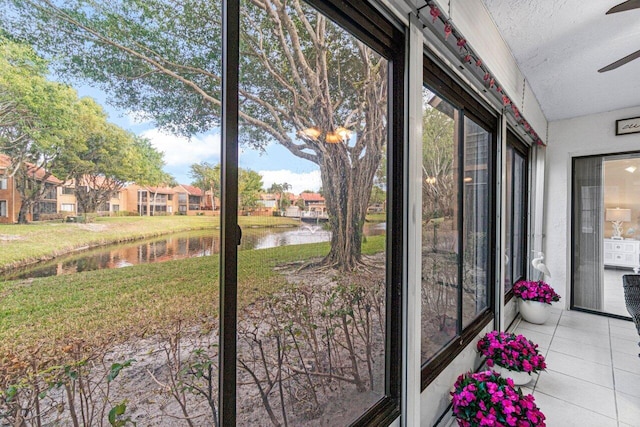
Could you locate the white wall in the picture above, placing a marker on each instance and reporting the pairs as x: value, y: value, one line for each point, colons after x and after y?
x: 580, y: 136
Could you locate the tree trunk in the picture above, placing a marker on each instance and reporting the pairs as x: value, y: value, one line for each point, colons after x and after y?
x: 22, y: 214
x: 347, y: 190
x: 213, y: 200
x: 348, y: 170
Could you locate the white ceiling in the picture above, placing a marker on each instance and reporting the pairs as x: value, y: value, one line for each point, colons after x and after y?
x: 560, y: 45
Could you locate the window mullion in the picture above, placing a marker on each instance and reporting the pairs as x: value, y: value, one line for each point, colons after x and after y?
x: 230, y: 235
x: 461, y: 209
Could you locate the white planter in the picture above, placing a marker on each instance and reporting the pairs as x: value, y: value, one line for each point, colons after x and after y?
x: 519, y: 378
x: 534, y: 311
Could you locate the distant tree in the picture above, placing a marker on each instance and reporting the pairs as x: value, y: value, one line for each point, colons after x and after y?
x: 37, y: 121
x: 301, y: 204
x: 249, y: 188
x: 207, y: 178
x: 107, y: 158
x: 281, y: 191
x: 438, y: 184
x: 378, y: 195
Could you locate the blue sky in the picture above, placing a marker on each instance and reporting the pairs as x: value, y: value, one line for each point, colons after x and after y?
x: 277, y: 164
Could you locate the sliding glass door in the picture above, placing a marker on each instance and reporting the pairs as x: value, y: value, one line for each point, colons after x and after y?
x: 605, y: 242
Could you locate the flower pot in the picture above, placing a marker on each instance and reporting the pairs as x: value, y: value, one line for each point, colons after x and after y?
x: 519, y: 378
x: 534, y: 311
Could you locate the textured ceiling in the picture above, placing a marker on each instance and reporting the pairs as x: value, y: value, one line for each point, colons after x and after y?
x: 559, y: 46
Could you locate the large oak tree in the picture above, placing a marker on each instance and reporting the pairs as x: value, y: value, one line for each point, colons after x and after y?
x: 305, y: 83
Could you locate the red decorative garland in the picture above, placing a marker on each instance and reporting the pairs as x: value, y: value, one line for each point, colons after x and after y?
x: 461, y: 42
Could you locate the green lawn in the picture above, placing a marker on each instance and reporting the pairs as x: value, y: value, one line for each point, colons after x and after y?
x: 21, y: 244
x: 376, y: 217
x: 104, y: 307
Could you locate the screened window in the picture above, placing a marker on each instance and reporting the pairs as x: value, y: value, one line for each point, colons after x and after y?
x: 67, y: 207
x: 321, y: 354
x: 50, y: 192
x: 476, y: 211
x: 3, y: 208
x: 3, y: 183
x: 515, y: 212
x: 457, y: 219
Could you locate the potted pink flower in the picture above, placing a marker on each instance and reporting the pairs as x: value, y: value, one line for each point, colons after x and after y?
x: 487, y: 399
x: 513, y: 353
x: 535, y: 301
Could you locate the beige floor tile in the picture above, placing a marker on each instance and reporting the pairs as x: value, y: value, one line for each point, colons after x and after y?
x: 624, y: 346
x: 628, y: 409
x: 628, y: 383
x: 596, y: 338
x: 597, y: 323
x: 573, y: 366
x: 626, y: 324
x: 627, y: 362
x: 560, y: 413
x: 625, y: 333
x: 579, y: 392
x: 580, y: 350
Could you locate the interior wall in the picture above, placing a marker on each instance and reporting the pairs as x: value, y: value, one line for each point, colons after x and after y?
x: 580, y: 136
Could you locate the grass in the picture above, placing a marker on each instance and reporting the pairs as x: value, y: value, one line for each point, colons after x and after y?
x: 38, y: 241
x: 376, y: 217
x: 105, y: 307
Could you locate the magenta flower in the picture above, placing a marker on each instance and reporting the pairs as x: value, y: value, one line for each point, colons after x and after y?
x: 495, y: 402
x: 511, y: 351
x: 535, y: 291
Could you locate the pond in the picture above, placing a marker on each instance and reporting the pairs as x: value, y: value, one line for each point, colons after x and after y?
x: 174, y: 247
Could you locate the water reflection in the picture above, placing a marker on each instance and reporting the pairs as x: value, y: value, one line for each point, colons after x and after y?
x: 174, y: 247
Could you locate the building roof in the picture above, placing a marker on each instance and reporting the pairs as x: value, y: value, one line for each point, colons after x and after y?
x: 160, y: 190
x: 38, y: 172
x: 194, y: 191
x: 311, y: 197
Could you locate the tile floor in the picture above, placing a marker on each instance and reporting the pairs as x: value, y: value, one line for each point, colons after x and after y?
x: 593, y: 370
x: 613, y: 298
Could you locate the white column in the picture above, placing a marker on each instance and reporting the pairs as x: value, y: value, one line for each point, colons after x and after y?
x: 411, y: 349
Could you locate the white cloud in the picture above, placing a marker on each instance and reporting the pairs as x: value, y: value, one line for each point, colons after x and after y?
x: 181, y: 151
x: 298, y: 181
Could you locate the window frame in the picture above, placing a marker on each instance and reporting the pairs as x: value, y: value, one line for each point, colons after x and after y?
x: 380, y: 31
x: 6, y: 209
x: 519, y: 147
x: 440, y: 82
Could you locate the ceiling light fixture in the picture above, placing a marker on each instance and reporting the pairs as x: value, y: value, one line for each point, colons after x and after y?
x: 631, y: 169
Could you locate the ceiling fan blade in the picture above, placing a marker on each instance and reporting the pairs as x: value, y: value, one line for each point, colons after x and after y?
x: 620, y: 62
x: 622, y: 7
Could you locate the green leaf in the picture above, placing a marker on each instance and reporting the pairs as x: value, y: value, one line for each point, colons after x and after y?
x: 116, y: 368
